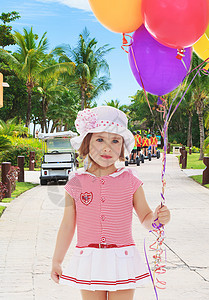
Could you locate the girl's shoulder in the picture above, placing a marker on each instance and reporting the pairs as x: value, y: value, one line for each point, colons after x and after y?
x: 132, y: 172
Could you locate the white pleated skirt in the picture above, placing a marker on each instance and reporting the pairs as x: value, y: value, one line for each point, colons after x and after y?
x: 107, y: 269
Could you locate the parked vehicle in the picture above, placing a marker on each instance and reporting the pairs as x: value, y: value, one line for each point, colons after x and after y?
x: 59, y: 158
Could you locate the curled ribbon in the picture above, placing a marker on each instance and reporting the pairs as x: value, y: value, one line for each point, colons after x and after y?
x: 125, y: 42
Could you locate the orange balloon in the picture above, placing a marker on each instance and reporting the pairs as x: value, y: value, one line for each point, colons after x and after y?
x: 201, y: 47
x: 118, y: 15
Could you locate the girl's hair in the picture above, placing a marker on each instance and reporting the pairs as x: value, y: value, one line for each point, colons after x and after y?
x: 84, y: 148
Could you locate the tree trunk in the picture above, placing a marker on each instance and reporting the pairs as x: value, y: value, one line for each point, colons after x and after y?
x: 189, y: 135
x: 53, y: 127
x: 42, y: 126
x: 200, y: 108
x: 34, y: 128
x: 82, y: 98
x: 202, y: 134
x: 27, y: 124
x: 44, y: 111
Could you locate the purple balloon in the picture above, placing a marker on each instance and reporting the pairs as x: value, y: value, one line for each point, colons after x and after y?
x: 160, y: 70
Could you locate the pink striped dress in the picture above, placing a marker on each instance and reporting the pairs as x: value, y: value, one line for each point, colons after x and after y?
x: 104, y: 207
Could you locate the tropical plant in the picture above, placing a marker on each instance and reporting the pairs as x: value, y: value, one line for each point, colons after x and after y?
x: 113, y: 103
x: 200, y: 91
x: 90, y: 63
x: 11, y: 128
x: 23, y: 150
x: 48, y: 90
x: 32, y: 142
x: 5, y: 143
x: 6, y: 37
x: 31, y: 62
x: 63, y: 110
x: 206, y: 141
x: 26, y: 62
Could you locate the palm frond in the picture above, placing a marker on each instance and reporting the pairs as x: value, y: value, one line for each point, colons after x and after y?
x: 56, y: 69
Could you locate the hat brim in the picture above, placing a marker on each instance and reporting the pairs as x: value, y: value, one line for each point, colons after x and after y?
x: 122, y: 131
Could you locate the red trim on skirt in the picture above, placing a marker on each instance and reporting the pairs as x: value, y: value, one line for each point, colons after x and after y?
x: 131, y: 280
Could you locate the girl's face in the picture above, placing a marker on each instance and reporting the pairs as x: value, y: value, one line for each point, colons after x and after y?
x: 105, y: 148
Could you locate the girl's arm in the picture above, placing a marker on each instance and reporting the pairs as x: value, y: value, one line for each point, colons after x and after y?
x: 145, y: 214
x: 66, y: 230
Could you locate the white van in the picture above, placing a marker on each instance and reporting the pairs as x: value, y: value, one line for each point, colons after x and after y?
x: 59, y: 158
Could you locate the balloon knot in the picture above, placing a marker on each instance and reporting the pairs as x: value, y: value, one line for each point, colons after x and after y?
x: 124, y: 40
x: 180, y: 53
x: 159, y: 101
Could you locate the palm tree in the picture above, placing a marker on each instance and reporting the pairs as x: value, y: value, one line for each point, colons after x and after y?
x: 90, y: 62
x: 200, y: 89
x: 113, y: 103
x: 63, y: 110
x: 48, y: 89
x: 26, y: 62
x: 31, y: 61
x: 206, y: 141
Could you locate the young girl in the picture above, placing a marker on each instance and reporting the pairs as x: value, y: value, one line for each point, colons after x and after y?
x: 106, y: 263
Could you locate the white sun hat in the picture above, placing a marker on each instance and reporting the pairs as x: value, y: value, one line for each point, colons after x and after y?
x: 102, y: 119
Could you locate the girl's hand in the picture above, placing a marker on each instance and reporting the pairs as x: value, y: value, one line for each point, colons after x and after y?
x: 162, y: 214
x: 56, y: 272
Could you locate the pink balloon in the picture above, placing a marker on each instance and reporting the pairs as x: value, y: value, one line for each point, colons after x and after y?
x: 176, y: 23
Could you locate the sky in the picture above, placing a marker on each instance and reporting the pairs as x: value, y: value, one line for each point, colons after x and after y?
x: 64, y: 20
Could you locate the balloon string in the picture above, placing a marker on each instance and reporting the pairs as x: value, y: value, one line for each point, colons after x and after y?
x: 132, y: 51
x: 125, y: 42
x: 150, y: 272
x: 159, y: 268
x: 183, y: 94
x: 197, y: 67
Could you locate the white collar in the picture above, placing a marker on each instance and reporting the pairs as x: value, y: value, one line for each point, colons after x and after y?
x: 114, y: 174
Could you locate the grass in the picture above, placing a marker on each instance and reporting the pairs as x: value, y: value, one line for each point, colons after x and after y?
x: 198, y: 179
x: 35, y: 169
x: 2, y: 208
x: 21, y: 187
x: 193, y: 161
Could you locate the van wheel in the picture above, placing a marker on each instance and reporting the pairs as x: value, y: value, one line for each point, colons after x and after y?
x: 43, y: 182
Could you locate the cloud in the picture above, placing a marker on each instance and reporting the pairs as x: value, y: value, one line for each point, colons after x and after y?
x: 80, y: 4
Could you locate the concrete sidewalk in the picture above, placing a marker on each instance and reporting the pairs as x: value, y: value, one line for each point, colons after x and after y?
x: 29, y: 226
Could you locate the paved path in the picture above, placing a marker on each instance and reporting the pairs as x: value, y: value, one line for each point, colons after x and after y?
x: 29, y: 226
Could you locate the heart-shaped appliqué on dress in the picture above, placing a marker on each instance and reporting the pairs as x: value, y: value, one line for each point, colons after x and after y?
x: 86, y: 198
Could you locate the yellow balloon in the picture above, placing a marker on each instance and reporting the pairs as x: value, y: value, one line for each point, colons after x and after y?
x: 122, y: 16
x: 207, y: 31
x: 201, y: 47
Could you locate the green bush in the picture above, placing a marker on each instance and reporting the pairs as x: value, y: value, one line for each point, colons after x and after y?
x: 23, y: 150
x: 26, y: 141
x: 195, y: 149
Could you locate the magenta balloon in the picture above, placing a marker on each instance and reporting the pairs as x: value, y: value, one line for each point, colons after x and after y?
x: 159, y: 68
